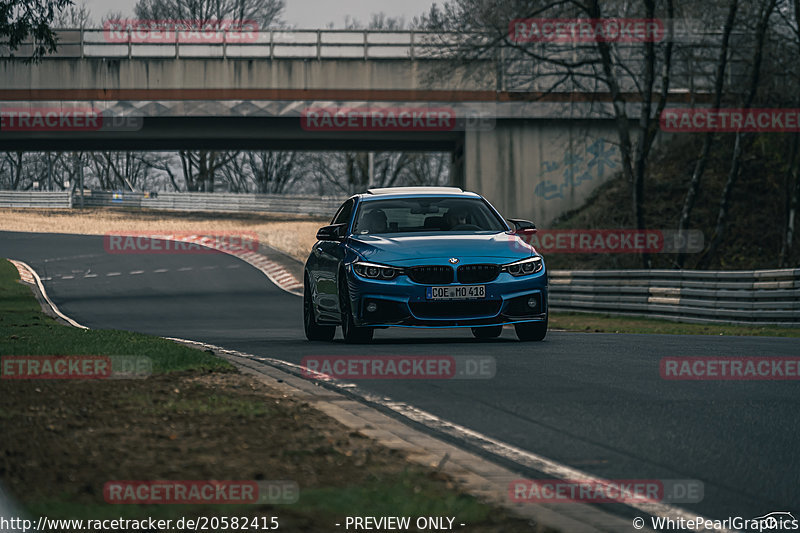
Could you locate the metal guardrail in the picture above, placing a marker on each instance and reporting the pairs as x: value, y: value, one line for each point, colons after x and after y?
x: 754, y: 297
x: 36, y: 199
x: 215, y: 202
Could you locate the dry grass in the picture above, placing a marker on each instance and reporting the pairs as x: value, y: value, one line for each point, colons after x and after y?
x: 292, y: 234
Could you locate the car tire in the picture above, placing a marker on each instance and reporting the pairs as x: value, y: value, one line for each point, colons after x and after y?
x: 352, y: 334
x: 487, y: 332
x: 314, y: 332
x: 531, y: 331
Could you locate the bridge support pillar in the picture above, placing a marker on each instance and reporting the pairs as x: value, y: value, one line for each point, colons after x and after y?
x: 539, y: 169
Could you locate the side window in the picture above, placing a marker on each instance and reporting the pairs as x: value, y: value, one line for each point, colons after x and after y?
x: 344, y: 213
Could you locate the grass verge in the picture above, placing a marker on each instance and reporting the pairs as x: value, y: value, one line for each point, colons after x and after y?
x: 600, y: 323
x: 195, y: 418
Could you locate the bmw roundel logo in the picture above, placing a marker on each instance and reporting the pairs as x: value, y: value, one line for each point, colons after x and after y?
x: 453, y: 260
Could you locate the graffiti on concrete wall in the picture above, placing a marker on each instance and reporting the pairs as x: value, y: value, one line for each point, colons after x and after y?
x: 573, y: 168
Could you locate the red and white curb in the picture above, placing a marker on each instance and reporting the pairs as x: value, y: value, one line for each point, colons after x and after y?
x: 276, y: 273
x: 25, y: 274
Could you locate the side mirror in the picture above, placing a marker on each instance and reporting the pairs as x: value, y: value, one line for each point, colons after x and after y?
x: 523, y: 227
x: 334, y: 232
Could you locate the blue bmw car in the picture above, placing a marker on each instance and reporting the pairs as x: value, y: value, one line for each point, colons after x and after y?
x: 433, y: 257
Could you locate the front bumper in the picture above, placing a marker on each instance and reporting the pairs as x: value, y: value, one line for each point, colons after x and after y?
x: 402, y: 302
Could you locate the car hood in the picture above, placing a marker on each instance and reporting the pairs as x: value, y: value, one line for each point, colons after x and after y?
x: 435, y: 248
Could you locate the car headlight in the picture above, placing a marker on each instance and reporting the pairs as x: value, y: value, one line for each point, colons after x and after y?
x: 373, y: 271
x: 528, y: 266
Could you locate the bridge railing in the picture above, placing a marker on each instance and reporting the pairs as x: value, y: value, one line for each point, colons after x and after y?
x: 267, y: 44
x: 693, y: 58
x: 755, y: 297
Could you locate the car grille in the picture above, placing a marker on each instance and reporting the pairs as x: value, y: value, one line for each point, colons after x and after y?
x: 431, y: 275
x: 478, y: 273
x: 455, y: 309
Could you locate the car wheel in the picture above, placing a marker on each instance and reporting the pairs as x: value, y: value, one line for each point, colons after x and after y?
x: 314, y: 332
x: 488, y: 332
x: 352, y: 333
x: 531, y: 331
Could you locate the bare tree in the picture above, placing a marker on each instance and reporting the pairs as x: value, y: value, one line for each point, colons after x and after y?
x: 273, y: 172
x: 74, y: 16
x: 265, y: 12
x: 792, y: 171
x: 635, y: 76
x: 702, y: 161
x: 200, y: 168
x: 120, y: 170
x: 30, y: 19
x: 766, y: 8
x: 11, y: 170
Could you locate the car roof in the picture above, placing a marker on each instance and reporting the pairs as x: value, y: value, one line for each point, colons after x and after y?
x: 411, y: 192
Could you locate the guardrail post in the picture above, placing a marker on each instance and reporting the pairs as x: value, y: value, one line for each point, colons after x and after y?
x: 80, y: 175
x: 319, y: 45
x: 366, y: 45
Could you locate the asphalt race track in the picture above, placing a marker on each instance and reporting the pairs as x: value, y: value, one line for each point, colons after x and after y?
x: 594, y: 402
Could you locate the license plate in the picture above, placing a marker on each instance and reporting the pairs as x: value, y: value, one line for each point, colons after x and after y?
x: 457, y: 292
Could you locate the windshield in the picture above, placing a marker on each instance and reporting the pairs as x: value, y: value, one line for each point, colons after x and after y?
x: 408, y: 215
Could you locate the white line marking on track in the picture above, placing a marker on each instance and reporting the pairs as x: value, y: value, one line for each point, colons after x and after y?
x: 111, y: 274
x: 136, y: 272
x: 160, y: 270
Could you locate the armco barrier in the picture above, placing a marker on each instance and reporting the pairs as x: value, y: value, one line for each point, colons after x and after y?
x: 40, y: 199
x: 219, y: 202
x: 760, y: 297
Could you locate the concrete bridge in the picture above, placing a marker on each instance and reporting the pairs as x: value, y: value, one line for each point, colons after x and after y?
x: 532, y: 154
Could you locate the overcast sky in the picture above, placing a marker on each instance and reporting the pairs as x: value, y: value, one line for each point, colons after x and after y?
x: 302, y: 13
